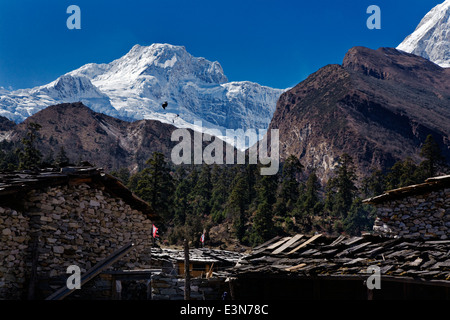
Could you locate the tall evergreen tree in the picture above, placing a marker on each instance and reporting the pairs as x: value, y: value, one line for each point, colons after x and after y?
x: 123, y: 174
x: 263, y: 226
x: 49, y: 160
x: 359, y: 218
x: 201, y: 193
x: 156, y: 185
x: 220, y: 192
x: 401, y: 174
x: 237, y: 204
x: 192, y: 201
x: 30, y: 157
x: 181, y: 202
x: 375, y: 184
x: 432, y: 154
x: 341, y: 189
x: 290, y: 186
x: 9, y: 159
x: 309, y: 203
x: 252, y: 173
x: 62, y: 159
x: 193, y: 228
x: 311, y: 199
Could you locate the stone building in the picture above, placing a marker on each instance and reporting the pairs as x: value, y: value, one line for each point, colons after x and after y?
x: 202, y: 260
x: 304, y: 267
x: 421, y: 210
x: 409, y: 246
x: 208, y: 268
x: 78, y: 216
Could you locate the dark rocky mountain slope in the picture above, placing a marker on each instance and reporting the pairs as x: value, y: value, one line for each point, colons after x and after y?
x: 100, y: 139
x: 378, y: 106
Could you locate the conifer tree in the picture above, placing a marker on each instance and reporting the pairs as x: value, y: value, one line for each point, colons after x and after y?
x: 123, y: 174
x: 156, y: 185
x: 433, y: 157
x: 263, y: 226
x: 219, y: 193
x: 401, y: 174
x: 290, y: 186
x: 49, y: 160
x: 201, y: 193
x: 9, y: 159
x: 62, y: 159
x: 310, y: 202
x: 375, y: 184
x: 252, y: 173
x: 30, y: 157
x: 181, y: 202
x: 341, y: 189
x: 359, y: 218
x: 237, y: 204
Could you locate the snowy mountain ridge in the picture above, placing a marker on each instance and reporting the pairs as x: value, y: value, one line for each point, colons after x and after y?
x: 431, y: 39
x: 136, y: 85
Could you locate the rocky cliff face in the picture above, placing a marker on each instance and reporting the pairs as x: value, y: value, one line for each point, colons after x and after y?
x: 378, y: 106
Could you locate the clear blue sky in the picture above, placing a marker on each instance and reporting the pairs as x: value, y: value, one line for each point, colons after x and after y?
x: 276, y: 43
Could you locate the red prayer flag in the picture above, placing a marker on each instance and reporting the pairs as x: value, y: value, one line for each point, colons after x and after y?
x: 155, y: 231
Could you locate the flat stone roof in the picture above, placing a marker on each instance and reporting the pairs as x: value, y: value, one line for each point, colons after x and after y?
x: 399, y: 259
x: 15, y: 184
x: 429, y: 185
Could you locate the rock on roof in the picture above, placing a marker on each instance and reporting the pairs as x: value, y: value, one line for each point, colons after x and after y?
x: 430, y: 184
x: 223, y: 258
x: 305, y: 256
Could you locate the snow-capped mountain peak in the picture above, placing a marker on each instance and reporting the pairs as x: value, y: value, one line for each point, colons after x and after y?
x: 19, y: 104
x: 68, y: 86
x: 135, y: 85
x: 195, y: 89
x: 163, y: 60
x: 3, y: 90
x: 431, y: 39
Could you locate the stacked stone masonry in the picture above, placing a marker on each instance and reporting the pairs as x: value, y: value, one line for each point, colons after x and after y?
x: 424, y: 215
x: 171, y: 287
x: 74, y: 225
x: 14, y: 241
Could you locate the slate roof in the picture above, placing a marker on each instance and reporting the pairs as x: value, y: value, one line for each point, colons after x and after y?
x: 222, y: 260
x: 14, y: 185
x: 306, y: 256
x: 205, y: 255
x: 430, y: 184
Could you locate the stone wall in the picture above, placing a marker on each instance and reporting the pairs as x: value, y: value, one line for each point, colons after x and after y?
x: 171, y: 287
x: 74, y: 225
x: 423, y: 215
x: 14, y: 241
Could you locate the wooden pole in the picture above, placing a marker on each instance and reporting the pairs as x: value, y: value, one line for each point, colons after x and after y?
x: 231, y: 285
x: 187, y: 276
x: 118, y: 289
x: 369, y: 294
x: 34, y: 265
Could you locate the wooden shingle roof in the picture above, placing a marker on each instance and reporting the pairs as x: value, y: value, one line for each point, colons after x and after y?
x: 350, y: 257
